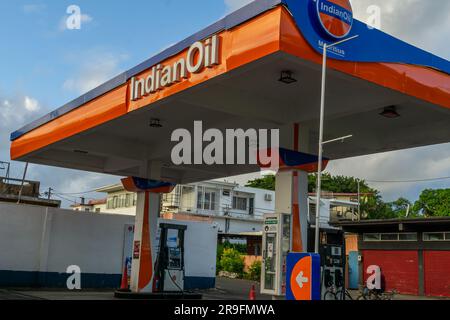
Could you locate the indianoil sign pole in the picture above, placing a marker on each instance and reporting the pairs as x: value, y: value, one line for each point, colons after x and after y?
x: 336, y: 21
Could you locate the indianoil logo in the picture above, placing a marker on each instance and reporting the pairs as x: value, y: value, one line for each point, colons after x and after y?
x: 335, y: 17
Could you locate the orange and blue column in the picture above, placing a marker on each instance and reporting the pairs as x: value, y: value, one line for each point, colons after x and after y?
x: 145, y: 230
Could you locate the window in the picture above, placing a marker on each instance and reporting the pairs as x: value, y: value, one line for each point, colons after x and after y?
x: 97, y: 209
x: 371, y: 237
x: 408, y: 236
x: 251, y: 206
x: 122, y: 201
x: 257, y: 249
x: 390, y: 237
x: 240, y: 203
x: 206, y: 199
x: 436, y: 236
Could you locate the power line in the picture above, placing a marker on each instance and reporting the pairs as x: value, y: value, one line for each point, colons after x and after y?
x: 408, y: 181
x: 63, y: 198
x: 75, y: 193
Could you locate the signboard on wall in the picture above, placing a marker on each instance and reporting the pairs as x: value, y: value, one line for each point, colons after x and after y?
x: 136, y: 249
x: 303, y: 276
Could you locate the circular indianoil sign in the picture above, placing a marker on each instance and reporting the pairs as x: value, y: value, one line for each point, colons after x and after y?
x: 335, y: 17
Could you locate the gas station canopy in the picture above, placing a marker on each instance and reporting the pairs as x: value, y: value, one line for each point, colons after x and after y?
x: 227, y: 75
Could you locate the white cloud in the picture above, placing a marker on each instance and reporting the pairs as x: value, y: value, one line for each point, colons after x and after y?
x: 17, y: 110
x: 423, y: 23
x: 233, y: 5
x: 31, y: 104
x: 95, y: 68
x: 33, y: 8
x: 84, y: 19
x: 413, y: 164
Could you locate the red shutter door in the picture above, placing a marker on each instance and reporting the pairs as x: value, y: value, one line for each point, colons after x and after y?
x: 437, y: 273
x: 399, y: 269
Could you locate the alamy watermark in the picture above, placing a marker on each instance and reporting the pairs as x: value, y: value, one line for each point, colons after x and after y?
x: 374, y: 17
x: 374, y: 277
x: 75, y: 18
x: 74, y: 279
x: 226, y: 147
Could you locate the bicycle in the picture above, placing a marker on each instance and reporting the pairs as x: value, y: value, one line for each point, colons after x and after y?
x: 367, y: 294
x: 343, y: 295
x: 337, y: 294
x: 374, y: 294
x: 333, y: 293
x: 330, y: 294
x: 389, y: 295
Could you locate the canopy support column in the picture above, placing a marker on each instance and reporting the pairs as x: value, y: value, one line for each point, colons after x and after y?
x: 291, y: 197
x: 144, y: 244
x: 145, y: 230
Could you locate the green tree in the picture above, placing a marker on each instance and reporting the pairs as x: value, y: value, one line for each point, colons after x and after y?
x: 254, y: 271
x: 401, y: 206
x: 339, y: 184
x: 433, y: 203
x: 232, y: 261
x: 267, y: 182
x: 371, y: 204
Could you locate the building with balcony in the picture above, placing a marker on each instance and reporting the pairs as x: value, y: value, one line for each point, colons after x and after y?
x: 236, y: 210
x: 24, y: 192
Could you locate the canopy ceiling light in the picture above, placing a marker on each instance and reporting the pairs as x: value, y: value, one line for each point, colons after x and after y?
x: 81, y: 151
x: 155, y: 123
x: 286, y: 77
x: 390, y: 112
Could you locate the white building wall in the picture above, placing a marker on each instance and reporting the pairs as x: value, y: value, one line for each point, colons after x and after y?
x: 184, y: 200
x: 201, y: 246
x: 130, y: 211
x: 93, y: 242
x: 262, y: 206
x: 20, y: 237
x: 237, y: 226
x: 48, y: 240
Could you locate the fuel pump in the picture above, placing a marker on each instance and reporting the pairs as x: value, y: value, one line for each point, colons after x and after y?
x: 169, y: 266
x: 276, y: 234
x: 333, y: 271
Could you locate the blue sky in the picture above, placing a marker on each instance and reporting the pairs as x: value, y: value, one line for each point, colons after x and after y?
x: 44, y: 60
x: 43, y: 65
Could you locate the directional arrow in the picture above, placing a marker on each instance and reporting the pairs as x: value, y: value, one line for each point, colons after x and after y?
x: 301, y: 280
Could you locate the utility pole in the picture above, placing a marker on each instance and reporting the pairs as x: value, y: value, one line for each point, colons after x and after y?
x: 359, y: 200
x: 49, y: 193
x: 5, y: 166
x: 321, y: 143
x: 23, y: 181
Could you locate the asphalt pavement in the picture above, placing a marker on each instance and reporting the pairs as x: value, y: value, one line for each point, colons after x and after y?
x: 226, y: 289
